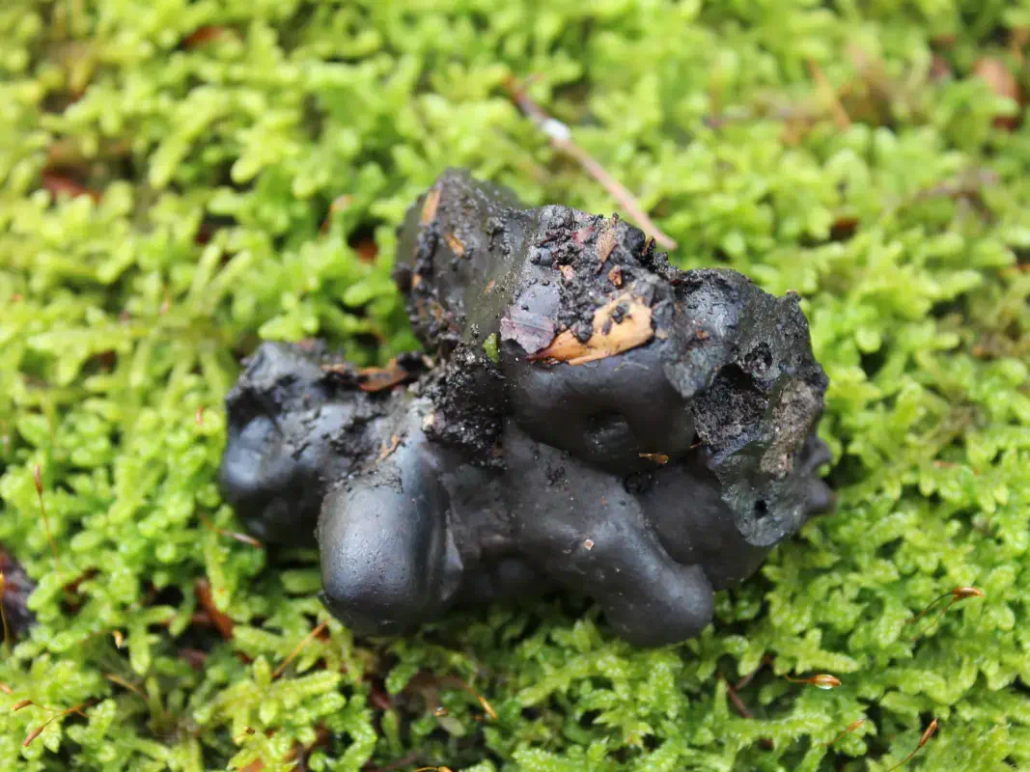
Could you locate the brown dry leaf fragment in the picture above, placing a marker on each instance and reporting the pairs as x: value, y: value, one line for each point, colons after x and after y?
x: 843, y: 228
x: 6, y: 689
x: 659, y: 458
x: 366, y: 250
x: 1003, y: 83
x: 606, y: 243
x: 203, y: 35
x: 531, y: 331
x: 379, y: 378
x: 389, y: 448
x: 582, y: 236
x: 634, y: 330
x: 58, y: 184
x: 615, y: 276
x: 432, y: 203
x: 456, y: 246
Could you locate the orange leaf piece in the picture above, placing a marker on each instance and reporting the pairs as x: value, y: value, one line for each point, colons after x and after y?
x: 430, y: 206
x: 455, y: 244
x: 379, y: 378
x: 610, y: 337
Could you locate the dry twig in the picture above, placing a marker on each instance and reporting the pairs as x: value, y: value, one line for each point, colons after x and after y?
x: 561, y: 140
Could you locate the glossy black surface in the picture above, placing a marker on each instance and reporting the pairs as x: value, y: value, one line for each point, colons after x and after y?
x: 647, y: 479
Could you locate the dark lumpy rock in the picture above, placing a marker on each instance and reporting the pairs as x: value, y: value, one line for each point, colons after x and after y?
x: 596, y: 420
x: 296, y: 422
x: 17, y: 589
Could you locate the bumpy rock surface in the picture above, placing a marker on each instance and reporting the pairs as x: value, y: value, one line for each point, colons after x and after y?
x: 17, y: 588
x: 595, y: 420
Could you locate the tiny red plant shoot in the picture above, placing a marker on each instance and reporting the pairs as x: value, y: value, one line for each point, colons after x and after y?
x: 959, y: 593
x: 820, y: 681
x: 37, y: 478
x: 487, y: 707
x: 927, y: 734
x: 298, y: 648
x: 126, y: 685
x: 851, y: 728
x: 77, y: 709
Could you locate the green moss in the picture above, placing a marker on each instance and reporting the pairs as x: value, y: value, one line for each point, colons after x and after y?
x: 217, y: 158
x: 490, y: 348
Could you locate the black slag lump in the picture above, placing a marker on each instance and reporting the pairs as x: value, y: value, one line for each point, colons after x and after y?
x: 592, y: 419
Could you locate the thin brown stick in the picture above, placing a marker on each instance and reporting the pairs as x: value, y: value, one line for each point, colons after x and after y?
x: 243, y: 538
x: 299, y: 647
x: 737, y: 702
x: 123, y: 683
x: 37, y: 478
x: 766, y: 660
x: 851, y: 728
x: 487, y: 707
x: 561, y: 139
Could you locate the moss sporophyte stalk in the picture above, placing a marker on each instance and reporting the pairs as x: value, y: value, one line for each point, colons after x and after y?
x: 182, y: 184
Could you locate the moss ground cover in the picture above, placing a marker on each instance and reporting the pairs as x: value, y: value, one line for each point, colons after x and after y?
x: 179, y: 180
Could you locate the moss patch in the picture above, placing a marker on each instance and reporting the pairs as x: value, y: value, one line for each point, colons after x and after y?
x: 181, y: 179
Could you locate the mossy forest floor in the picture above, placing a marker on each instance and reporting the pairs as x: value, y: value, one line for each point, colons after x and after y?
x: 168, y: 173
